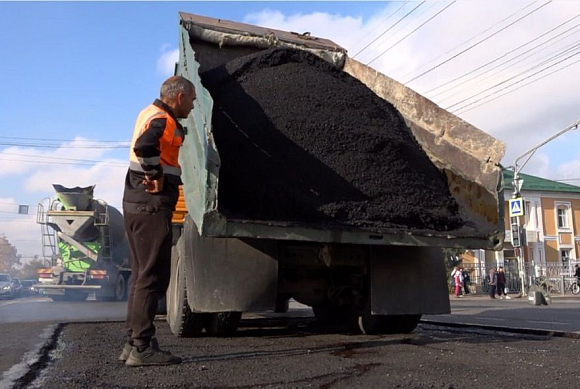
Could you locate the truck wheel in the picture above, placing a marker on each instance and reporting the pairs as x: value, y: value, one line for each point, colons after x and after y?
x: 58, y: 298
x: 386, y: 324
x: 182, y: 321
x: 121, y: 288
x: 74, y: 295
x: 222, y: 323
x: 331, y: 315
x: 282, y: 304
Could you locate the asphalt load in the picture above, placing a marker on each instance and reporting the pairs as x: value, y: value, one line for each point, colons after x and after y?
x: 303, y: 142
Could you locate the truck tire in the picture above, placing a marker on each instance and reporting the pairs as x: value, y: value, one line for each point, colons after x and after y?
x: 121, y: 288
x: 182, y: 321
x: 75, y: 295
x: 386, y: 324
x: 282, y: 304
x: 332, y: 315
x: 222, y: 323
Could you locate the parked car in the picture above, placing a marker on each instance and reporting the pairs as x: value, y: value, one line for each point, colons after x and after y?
x: 17, y: 286
x: 6, y: 286
x: 27, y: 288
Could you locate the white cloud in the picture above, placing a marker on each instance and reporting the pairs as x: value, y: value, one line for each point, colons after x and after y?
x: 166, y: 61
x: 522, y: 119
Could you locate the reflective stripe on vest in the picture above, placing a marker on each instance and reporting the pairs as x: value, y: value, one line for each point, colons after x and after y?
x: 169, y: 143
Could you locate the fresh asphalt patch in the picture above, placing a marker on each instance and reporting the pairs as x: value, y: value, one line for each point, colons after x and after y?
x: 297, y: 353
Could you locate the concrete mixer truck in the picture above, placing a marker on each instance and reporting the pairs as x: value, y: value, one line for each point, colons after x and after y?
x: 84, y: 241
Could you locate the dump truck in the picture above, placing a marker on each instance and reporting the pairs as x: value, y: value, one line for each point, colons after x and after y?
x: 381, y: 280
x: 84, y: 241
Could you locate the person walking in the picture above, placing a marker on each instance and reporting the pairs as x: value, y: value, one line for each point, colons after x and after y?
x: 501, y: 281
x: 466, y: 281
x: 151, y: 193
x: 492, y: 282
x: 457, y: 280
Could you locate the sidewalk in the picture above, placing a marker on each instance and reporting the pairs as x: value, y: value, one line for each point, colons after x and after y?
x: 513, y: 296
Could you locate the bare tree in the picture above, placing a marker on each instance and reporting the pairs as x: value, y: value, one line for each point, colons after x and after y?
x: 9, y: 258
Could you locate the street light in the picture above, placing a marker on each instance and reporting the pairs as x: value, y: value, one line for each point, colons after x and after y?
x: 517, y: 183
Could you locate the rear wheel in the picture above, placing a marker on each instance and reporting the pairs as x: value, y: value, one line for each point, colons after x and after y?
x: 222, y: 323
x: 121, y: 288
x: 386, y: 324
x: 182, y: 321
x: 71, y: 295
x: 575, y: 288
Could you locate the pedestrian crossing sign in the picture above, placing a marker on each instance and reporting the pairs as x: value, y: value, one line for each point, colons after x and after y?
x: 516, y: 207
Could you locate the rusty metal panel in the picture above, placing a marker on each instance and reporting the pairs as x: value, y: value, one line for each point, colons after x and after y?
x: 408, y: 281
x: 229, y: 274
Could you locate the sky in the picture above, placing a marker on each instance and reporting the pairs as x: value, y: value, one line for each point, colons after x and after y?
x: 74, y: 76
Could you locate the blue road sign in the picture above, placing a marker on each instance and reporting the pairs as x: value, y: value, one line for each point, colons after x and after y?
x: 516, y: 207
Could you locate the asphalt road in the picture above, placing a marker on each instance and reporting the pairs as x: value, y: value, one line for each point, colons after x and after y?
x: 563, y: 314
x: 285, y: 353
x: 301, y: 355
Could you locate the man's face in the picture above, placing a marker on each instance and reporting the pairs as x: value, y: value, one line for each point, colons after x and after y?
x: 185, y: 104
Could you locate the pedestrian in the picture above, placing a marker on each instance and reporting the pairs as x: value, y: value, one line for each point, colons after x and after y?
x: 501, y: 284
x: 151, y: 192
x: 492, y: 282
x: 577, y: 273
x: 457, y: 280
x: 466, y: 280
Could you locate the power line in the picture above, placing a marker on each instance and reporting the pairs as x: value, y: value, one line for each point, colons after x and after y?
x: 550, y: 57
x: 389, y: 29
x: 470, y: 39
x: 66, y: 140
x: 63, y: 147
x: 517, y: 82
x: 384, y: 21
x: 412, y: 32
x: 511, y: 78
x: 513, y: 90
x: 504, y: 55
x: 110, y: 164
x: 477, y: 43
x: 54, y: 158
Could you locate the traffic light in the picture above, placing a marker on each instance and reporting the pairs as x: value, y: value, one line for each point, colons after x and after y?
x: 516, y: 235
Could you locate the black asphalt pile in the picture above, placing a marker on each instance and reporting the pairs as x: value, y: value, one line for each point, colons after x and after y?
x: 301, y: 141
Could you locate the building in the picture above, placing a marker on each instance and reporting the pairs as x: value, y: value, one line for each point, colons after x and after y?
x: 551, y: 227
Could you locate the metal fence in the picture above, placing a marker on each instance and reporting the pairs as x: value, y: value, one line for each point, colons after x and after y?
x: 556, y: 278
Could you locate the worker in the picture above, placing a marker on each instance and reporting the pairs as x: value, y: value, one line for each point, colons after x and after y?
x: 151, y: 192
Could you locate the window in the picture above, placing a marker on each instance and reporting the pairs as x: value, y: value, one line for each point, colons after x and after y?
x: 565, y: 256
x: 562, y: 217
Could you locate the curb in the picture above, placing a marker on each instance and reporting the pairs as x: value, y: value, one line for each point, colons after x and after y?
x: 514, y: 330
x: 33, y: 362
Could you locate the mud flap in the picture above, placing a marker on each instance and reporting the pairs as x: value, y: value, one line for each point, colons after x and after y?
x: 408, y: 281
x: 229, y: 274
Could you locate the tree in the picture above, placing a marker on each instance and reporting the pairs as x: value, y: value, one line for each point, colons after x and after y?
x: 29, y: 269
x: 9, y: 258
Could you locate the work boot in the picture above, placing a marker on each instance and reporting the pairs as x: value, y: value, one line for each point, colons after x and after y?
x: 151, y: 356
x: 128, y: 346
x: 125, y: 353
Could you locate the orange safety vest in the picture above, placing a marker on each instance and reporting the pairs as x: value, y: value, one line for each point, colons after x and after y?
x: 169, y: 143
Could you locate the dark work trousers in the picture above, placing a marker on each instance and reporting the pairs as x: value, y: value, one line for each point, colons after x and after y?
x: 492, y: 291
x: 501, y: 289
x: 150, y: 237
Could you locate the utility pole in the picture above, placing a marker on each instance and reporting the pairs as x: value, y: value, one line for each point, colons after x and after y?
x: 517, y: 199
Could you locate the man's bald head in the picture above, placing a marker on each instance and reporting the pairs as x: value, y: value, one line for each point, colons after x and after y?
x: 178, y: 93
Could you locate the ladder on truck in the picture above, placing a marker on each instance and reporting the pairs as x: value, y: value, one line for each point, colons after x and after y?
x: 102, y: 223
x: 48, y: 234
